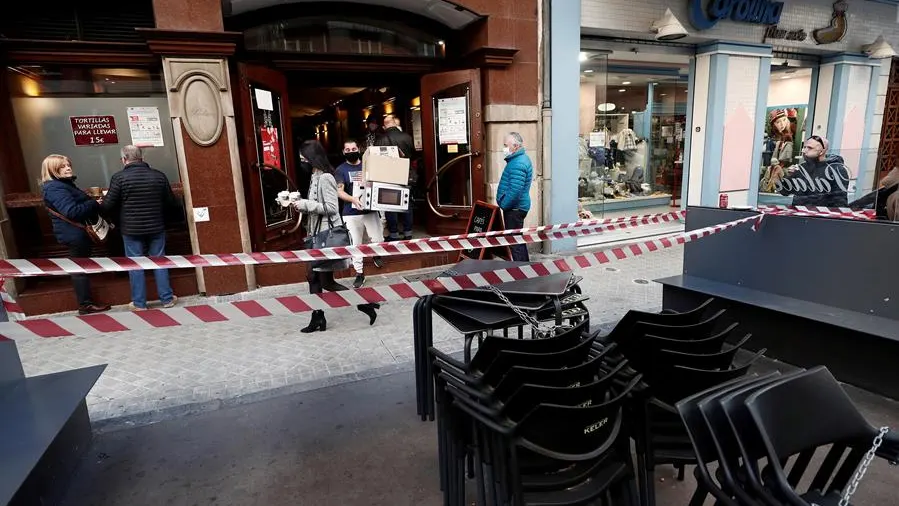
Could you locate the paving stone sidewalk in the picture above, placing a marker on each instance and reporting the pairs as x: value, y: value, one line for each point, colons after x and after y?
x: 166, y: 372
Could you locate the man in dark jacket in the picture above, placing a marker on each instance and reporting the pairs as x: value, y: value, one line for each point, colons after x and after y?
x: 513, y: 194
x: 821, y: 179
x: 393, y: 136
x: 141, y: 197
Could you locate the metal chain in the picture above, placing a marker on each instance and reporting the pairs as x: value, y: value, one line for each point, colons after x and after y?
x: 863, y: 467
x: 541, y: 330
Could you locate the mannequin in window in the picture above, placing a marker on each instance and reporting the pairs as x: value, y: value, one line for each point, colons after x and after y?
x: 781, y: 132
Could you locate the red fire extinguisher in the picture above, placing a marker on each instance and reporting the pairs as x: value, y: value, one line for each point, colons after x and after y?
x: 722, y: 201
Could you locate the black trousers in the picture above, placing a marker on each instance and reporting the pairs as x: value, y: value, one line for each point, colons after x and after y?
x: 81, y: 249
x: 514, y: 219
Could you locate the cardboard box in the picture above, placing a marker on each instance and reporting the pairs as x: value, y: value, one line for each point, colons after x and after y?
x: 384, y: 165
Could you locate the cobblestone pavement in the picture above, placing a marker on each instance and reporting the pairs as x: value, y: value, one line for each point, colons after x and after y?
x: 165, y: 372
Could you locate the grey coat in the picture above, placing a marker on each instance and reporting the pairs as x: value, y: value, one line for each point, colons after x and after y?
x: 321, y: 204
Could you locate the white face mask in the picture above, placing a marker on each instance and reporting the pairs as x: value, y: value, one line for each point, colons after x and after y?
x: 506, y: 151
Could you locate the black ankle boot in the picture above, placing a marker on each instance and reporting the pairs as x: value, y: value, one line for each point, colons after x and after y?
x: 370, y: 310
x: 318, y: 322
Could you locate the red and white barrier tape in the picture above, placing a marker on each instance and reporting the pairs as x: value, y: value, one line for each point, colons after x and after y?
x: 243, y: 310
x: 825, y: 212
x: 65, y: 266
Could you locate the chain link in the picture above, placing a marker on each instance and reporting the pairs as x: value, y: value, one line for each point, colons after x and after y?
x: 541, y: 330
x: 863, y: 467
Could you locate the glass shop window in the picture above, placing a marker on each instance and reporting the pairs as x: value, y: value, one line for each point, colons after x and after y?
x: 89, y: 114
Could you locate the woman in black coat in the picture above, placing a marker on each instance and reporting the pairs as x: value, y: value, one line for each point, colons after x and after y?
x: 61, y: 195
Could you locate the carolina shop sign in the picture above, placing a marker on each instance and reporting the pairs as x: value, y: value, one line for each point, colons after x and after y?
x: 759, y: 12
x: 94, y: 130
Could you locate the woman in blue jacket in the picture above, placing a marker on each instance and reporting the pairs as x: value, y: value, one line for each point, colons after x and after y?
x: 62, y: 196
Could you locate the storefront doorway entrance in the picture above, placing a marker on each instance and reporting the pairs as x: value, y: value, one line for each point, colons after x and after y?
x: 326, y: 78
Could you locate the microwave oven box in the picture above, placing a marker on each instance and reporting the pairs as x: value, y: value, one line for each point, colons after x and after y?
x: 383, y: 164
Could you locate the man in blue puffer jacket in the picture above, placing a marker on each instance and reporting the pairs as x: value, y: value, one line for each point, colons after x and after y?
x: 513, y: 195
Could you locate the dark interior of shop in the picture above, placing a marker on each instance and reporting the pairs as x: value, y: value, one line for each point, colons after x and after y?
x: 333, y: 108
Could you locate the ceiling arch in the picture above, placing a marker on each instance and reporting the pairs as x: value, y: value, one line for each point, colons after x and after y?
x: 445, y: 12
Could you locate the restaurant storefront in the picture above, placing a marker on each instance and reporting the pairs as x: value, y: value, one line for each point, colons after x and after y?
x: 691, y: 103
x: 218, y: 93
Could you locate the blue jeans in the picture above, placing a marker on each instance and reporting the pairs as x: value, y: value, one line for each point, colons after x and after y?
x: 393, y: 224
x: 514, y: 219
x: 153, y: 246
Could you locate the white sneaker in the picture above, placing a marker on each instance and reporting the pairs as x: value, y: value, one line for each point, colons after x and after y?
x: 132, y: 307
x: 171, y: 304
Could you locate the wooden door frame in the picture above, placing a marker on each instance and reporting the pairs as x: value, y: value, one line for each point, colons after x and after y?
x: 430, y: 85
x: 263, y: 238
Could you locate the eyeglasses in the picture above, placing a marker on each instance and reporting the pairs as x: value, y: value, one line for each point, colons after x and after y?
x: 820, y: 141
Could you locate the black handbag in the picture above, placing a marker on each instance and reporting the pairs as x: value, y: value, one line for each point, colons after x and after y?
x: 334, y: 237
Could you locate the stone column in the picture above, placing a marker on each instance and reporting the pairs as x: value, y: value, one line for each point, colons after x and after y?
x: 194, y: 47
x: 562, y: 174
x: 729, y: 95
x: 202, y: 112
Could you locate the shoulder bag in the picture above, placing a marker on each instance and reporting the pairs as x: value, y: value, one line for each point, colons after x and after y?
x: 334, y: 237
x: 98, y: 231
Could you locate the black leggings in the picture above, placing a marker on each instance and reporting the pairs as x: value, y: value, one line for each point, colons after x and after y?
x: 322, y: 282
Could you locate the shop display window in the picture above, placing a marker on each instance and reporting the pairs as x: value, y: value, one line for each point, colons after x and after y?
x: 633, y: 115
x: 786, y: 118
x: 793, y: 170
x: 89, y: 114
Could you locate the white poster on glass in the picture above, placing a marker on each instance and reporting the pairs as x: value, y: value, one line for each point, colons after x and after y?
x: 146, y: 127
x: 264, y: 100
x: 452, y: 120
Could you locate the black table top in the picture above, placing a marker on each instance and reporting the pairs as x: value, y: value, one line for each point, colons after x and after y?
x: 466, y: 325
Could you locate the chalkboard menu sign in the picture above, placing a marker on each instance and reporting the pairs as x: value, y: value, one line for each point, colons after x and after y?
x: 485, y: 218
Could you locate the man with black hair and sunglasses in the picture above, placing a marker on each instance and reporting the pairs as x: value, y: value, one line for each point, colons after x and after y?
x: 821, y: 179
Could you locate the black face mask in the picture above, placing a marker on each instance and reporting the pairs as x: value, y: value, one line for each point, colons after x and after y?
x: 306, y: 167
x: 352, y: 157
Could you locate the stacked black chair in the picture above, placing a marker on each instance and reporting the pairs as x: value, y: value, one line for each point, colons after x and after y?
x: 756, y: 427
x: 478, y: 313
x: 677, y: 358
x: 537, y: 421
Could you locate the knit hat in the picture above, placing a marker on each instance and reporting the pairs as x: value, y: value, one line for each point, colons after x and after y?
x: 776, y: 114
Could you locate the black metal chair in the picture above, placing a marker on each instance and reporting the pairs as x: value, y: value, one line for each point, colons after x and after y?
x: 800, y: 414
x: 704, y: 446
x: 671, y: 318
x: 581, y: 449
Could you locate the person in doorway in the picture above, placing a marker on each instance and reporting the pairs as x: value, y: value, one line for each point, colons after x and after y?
x: 69, y: 206
x: 373, y: 131
x: 322, y: 211
x: 358, y: 221
x: 820, y: 179
x: 513, y: 195
x: 142, y: 198
x: 394, y: 136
